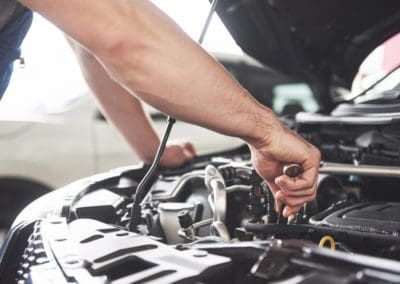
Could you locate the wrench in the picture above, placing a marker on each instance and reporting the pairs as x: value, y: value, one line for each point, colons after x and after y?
x: 293, y: 171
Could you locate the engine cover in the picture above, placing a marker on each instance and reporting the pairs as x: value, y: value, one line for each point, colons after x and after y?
x: 371, y: 217
x: 110, y: 253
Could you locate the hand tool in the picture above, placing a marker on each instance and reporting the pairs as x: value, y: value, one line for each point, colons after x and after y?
x: 293, y: 171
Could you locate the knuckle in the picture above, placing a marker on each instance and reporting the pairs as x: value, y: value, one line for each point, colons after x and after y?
x: 312, y: 197
x: 317, y: 153
x: 308, y: 192
x: 309, y: 184
x: 291, y: 202
x: 297, y: 208
x: 283, y: 183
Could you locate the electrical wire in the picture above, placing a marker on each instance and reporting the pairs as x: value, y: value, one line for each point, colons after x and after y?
x: 143, y: 187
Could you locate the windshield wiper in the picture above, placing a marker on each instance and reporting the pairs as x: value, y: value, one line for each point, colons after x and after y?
x: 379, y: 97
x: 374, y: 84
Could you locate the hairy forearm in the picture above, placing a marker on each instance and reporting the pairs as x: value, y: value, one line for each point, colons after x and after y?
x: 146, y: 52
x: 120, y: 107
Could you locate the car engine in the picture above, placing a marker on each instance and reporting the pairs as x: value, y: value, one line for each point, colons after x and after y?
x: 213, y: 221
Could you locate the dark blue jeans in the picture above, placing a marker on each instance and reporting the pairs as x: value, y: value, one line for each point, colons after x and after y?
x: 11, y: 37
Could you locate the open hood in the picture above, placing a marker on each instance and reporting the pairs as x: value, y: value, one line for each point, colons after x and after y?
x: 320, y: 41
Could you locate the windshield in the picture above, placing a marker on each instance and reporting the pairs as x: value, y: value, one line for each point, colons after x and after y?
x: 379, y: 73
x: 387, y: 86
x: 390, y: 83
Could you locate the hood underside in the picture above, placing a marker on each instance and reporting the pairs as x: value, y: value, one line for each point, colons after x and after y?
x: 320, y: 41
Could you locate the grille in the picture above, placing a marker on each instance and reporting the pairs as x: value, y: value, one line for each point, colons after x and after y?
x: 34, y: 254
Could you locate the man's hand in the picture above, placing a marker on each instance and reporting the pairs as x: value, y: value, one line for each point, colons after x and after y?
x: 281, y: 148
x: 177, y: 154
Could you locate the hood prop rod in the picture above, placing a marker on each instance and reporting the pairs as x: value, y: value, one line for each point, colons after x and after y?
x: 143, y: 186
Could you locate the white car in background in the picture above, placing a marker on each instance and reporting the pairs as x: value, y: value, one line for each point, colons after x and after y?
x: 53, y: 149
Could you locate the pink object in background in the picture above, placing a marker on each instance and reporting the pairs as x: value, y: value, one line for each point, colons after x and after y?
x: 391, y: 49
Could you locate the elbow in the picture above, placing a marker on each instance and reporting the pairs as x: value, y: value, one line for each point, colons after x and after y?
x: 115, y: 46
x: 117, y: 49
x: 124, y: 57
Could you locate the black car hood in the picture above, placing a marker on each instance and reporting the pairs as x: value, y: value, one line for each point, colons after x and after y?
x: 320, y: 41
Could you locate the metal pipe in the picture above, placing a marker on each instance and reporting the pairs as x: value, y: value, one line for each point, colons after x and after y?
x: 238, y: 187
x: 363, y: 170
x: 202, y: 223
x: 219, y: 229
x: 180, y: 184
x: 208, y: 21
x: 216, y: 189
x: 326, y: 168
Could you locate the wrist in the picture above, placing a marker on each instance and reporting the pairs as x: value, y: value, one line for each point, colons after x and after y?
x: 264, y: 124
x: 148, y: 152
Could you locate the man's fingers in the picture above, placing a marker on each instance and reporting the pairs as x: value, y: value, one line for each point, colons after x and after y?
x: 293, y: 201
x: 303, y: 186
x: 190, y: 148
x: 278, y: 205
x: 274, y: 188
x: 301, y: 192
x: 305, y: 181
x: 289, y: 210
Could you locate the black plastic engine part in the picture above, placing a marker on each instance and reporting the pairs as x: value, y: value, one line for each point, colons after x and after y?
x: 360, y: 242
x: 286, y: 260
x: 294, y: 261
x: 330, y: 191
x: 185, y: 220
x: 258, y: 199
x: 370, y: 217
x: 88, y: 251
x: 100, y: 205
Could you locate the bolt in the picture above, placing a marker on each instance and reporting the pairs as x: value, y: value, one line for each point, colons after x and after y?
x: 200, y: 253
x: 60, y: 240
x: 71, y: 260
x: 212, y: 172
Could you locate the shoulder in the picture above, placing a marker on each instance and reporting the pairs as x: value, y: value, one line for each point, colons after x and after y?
x: 10, y: 10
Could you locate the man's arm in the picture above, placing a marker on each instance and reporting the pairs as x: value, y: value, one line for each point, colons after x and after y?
x: 146, y: 52
x: 127, y: 114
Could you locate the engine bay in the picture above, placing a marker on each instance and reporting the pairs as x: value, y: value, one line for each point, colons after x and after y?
x: 214, y: 221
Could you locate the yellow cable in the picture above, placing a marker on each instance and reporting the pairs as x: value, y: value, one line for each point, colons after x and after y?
x: 327, y: 239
